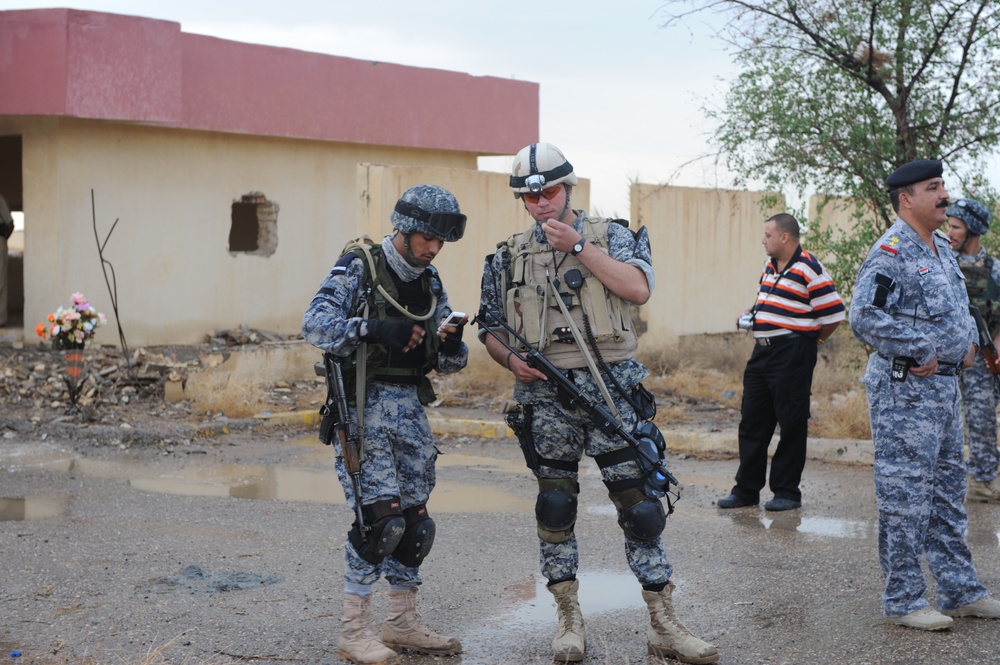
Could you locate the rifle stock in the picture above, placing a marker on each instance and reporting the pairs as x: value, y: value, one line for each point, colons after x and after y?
x: 986, y: 346
x: 347, y: 432
x: 599, y: 416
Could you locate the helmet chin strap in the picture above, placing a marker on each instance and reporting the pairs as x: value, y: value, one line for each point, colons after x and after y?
x: 410, y: 257
x: 565, y: 206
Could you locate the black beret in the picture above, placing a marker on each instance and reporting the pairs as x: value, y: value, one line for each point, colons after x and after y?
x: 911, y: 172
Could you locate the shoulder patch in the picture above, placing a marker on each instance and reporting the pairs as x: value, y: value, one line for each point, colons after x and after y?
x: 340, y: 267
x: 889, y: 245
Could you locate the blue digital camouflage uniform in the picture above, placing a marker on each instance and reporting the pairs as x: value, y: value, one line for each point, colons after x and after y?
x: 563, y: 434
x: 399, y: 448
x: 979, y: 403
x: 910, y: 302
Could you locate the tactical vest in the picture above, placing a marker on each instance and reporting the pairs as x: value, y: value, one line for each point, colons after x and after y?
x: 416, y: 297
x: 541, y: 321
x: 982, y: 290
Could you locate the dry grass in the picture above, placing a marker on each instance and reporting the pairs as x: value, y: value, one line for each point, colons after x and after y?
x: 840, y: 405
x: 701, y: 380
x: 698, y: 381
x: 709, y: 368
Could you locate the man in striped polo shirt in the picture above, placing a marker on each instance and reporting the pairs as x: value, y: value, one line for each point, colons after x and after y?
x: 797, y: 308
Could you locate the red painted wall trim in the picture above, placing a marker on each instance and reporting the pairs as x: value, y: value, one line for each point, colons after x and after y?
x: 84, y: 64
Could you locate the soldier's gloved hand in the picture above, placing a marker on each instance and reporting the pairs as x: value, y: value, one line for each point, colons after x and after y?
x: 394, y: 335
x: 452, y: 341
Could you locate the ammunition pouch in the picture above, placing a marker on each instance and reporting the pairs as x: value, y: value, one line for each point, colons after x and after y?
x: 425, y: 391
x: 327, y: 424
x: 643, y: 402
x: 519, y: 421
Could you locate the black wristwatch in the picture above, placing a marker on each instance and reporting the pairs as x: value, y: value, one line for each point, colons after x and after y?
x: 578, y: 247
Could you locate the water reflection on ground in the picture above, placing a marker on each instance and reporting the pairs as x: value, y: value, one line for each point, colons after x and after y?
x: 250, y: 481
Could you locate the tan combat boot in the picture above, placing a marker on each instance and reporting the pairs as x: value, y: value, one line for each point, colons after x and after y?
x: 403, y: 628
x: 358, y: 643
x: 571, y: 637
x: 983, y: 491
x: 668, y: 637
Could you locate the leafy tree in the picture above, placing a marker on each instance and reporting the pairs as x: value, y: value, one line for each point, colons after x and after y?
x: 835, y: 94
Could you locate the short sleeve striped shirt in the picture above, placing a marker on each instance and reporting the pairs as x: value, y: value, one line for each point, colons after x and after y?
x: 801, y: 299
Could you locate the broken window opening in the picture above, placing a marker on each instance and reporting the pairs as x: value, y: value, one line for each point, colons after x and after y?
x: 254, y: 228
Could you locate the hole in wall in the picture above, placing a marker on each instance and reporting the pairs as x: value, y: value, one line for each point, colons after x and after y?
x: 254, y: 225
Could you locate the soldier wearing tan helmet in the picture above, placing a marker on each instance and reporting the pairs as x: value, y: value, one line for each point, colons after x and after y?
x: 568, y: 283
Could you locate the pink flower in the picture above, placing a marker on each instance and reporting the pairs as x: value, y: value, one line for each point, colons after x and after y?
x: 80, y: 302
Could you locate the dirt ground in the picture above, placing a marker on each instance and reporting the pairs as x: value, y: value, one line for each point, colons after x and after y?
x: 136, y: 531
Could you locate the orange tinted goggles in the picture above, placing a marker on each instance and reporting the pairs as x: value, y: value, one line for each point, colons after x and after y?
x: 549, y: 193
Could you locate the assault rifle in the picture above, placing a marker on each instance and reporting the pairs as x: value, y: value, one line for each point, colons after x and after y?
x: 986, y: 346
x: 648, y: 445
x: 347, y: 431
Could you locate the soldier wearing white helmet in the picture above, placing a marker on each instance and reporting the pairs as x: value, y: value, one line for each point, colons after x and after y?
x: 566, y: 275
x: 968, y: 220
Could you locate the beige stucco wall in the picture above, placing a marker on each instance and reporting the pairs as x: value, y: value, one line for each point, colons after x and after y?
x: 172, y: 191
x: 707, y: 254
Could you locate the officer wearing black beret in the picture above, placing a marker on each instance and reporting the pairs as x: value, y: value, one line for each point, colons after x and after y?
x: 912, y: 172
x: 910, y: 305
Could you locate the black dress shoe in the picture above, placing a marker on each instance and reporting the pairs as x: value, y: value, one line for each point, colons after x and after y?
x: 781, y: 503
x: 735, y: 501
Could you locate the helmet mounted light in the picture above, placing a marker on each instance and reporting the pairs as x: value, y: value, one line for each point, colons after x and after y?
x: 535, y: 182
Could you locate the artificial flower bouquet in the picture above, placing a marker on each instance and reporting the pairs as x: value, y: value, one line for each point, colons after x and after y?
x: 73, y: 327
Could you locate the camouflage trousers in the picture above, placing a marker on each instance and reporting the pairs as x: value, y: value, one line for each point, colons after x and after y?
x: 566, y: 435
x: 920, y: 490
x: 399, y: 457
x: 979, y: 405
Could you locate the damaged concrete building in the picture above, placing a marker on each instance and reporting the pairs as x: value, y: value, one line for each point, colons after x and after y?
x: 236, y: 172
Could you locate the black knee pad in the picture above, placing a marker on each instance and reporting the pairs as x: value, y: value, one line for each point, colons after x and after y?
x: 418, y: 537
x: 386, y: 527
x: 555, y: 508
x: 640, y: 517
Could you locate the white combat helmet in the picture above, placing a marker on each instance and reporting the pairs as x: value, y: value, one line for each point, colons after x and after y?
x: 538, y: 166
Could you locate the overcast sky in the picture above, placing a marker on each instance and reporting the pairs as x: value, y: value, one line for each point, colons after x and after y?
x: 620, y: 95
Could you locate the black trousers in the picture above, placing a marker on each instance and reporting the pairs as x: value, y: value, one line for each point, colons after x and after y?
x: 777, y: 385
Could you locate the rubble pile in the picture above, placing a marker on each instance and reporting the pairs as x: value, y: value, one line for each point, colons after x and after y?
x: 35, y: 383
x: 37, y: 377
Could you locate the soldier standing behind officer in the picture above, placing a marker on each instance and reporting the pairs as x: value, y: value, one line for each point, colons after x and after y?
x: 598, y: 268
x: 968, y: 220
x: 381, y: 305
x: 797, y: 308
x: 911, y: 307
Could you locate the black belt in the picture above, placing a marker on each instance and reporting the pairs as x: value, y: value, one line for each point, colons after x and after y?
x: 949, y: 369
x: 772, y: 341
x: 944, y: 369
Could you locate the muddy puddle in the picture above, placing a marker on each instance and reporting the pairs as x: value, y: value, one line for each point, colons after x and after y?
x: 248, y: 481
